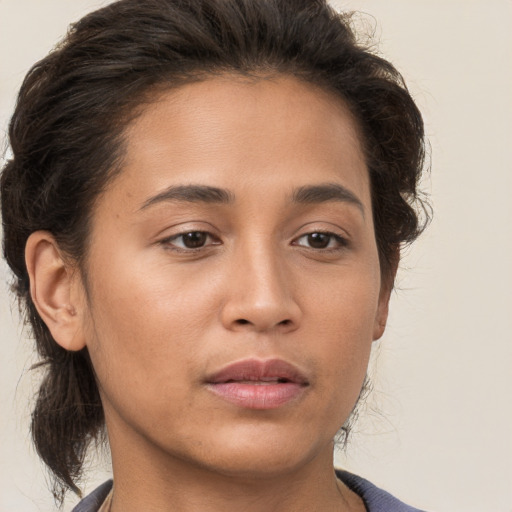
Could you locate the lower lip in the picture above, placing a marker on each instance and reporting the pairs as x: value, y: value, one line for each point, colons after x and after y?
x: 257, y: 396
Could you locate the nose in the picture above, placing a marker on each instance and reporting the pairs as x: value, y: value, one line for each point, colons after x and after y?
x: 260, y: 294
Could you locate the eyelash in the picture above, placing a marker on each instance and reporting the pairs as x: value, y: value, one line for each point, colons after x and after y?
x: 169, y: 242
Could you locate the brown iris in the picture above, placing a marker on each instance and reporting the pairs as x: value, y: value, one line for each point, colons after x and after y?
x: 319, y: 240
x: 194, y: 239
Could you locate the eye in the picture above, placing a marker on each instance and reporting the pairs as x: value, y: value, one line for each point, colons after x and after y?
x: 191, y: 240
x: 321, y: 240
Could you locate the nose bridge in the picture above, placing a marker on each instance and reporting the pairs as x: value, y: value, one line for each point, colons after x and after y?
x: 261, y: 296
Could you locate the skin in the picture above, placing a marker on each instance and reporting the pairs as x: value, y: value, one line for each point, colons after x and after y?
x: 158, y: 317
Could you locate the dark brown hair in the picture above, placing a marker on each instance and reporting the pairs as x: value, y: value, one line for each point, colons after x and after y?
x: 66, y: 136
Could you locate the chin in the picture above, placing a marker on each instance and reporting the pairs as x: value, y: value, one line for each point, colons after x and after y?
x: 264, y: 453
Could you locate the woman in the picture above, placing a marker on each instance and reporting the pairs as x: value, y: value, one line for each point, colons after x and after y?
x: 204, y: 212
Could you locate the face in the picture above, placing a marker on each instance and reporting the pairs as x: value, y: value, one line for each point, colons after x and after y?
x: 233, y: 280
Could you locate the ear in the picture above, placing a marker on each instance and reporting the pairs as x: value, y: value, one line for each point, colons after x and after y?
x: 53, y: 288
x: 386, y: 288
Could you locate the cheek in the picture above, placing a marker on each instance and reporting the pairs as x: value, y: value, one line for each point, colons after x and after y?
x: 342, y: 326
x: 145, y: 330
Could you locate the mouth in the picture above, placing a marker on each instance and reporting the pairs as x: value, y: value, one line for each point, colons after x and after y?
x: 256, y: 384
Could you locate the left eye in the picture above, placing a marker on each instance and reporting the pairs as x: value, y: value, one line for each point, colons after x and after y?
x: 191, y: 240
x: 319, y: 240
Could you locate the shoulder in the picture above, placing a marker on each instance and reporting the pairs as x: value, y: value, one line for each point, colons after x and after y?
x: 375, y: 499
x: 93, y: 501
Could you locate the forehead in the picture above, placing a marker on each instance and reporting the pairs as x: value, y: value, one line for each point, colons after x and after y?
x: 233, y: 131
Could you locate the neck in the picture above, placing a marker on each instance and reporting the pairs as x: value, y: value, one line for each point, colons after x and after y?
x: 146, y: 479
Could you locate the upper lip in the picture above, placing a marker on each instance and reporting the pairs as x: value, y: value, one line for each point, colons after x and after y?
x: 258, y: 370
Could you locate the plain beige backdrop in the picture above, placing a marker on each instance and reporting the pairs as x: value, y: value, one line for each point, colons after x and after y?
x: 437, y: 431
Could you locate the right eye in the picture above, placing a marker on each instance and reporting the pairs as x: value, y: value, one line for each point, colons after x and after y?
x: 190, y: 240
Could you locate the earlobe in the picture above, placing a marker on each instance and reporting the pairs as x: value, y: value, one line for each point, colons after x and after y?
x: 52, y: 288
x: 381, y: 317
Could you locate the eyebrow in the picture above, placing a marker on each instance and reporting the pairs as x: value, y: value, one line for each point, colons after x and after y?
x: 308, y: 194
x: 325, y: 192
x: 191, y: 194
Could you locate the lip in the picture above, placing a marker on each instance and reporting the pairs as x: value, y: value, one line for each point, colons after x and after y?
x: 257, y: 384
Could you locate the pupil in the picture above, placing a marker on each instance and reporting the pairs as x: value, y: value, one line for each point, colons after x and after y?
x: 319, y: 240
x: 194, y: 239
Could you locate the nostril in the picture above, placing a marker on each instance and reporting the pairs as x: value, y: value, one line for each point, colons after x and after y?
x: 261, y: 325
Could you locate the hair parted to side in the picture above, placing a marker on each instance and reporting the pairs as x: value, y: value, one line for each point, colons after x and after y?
x: 66, y: 136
